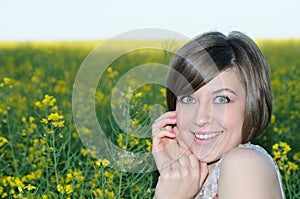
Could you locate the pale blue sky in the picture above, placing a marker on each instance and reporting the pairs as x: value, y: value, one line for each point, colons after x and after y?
x: 96, y: 19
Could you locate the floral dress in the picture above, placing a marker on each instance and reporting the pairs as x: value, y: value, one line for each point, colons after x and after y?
x: 210, y: 188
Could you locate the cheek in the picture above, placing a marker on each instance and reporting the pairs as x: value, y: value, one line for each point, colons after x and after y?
x: 178, y: 115
x: 184, y: 117
x: 234, y: 119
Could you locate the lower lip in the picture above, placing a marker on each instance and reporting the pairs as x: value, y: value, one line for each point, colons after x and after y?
x: 206, y: 141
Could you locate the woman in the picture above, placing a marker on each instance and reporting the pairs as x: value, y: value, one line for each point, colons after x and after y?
x: 219, y: 98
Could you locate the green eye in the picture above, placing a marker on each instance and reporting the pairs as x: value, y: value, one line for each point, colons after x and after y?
x: 188, y: 100
x: 221, y: 100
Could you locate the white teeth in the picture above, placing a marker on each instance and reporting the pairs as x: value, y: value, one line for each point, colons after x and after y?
x: 207, y: 136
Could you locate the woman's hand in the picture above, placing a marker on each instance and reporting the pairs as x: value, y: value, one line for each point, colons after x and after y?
x: 164, y: 142
x: 180, y: 172
x: 179, y: 180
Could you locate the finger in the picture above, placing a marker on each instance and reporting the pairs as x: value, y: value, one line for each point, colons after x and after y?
x: 184, y: 161
x: 174, y: 129
x: 163, y: 123
x: 181, y: 143
x: 163, y: 141
x: 165, y: 119
x: 184, y: 148
x: 203, y: 173
x: 168, y: 114
x: 203, y: 168
x: 169, y: 128
x: 194, y: 162
x: 174, y: 150
x: 161, y: 133
x: 165, y: 167
x: 175, y: 165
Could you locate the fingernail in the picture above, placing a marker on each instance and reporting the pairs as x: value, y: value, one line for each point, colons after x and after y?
x: 173, y: 118
x: 173, y: 133
x: 174, y: 111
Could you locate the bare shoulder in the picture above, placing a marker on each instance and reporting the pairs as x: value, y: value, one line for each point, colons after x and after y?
x: 248, y: 158
x: 246, y: 173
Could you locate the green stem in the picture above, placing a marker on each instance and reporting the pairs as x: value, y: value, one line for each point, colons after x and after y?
x: 54, y: 158
x: 286, y: 181
x: 11, y: 141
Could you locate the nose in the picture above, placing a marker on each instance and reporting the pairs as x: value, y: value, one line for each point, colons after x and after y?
x: 203, y: 115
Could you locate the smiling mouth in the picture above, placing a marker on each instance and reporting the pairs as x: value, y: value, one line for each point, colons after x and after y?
x: 207, y: 136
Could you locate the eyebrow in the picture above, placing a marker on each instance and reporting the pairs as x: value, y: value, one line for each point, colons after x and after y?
x: 224, y: 89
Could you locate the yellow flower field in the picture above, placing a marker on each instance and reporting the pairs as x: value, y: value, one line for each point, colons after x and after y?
x: 43, y: 156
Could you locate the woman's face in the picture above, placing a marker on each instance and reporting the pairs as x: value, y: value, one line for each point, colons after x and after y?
x: 210, y: 120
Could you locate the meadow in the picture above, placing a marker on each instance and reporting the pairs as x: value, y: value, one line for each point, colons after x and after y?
x: 42, y: 155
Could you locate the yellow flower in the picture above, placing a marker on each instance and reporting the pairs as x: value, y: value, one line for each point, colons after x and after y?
x: 38, y: 104
x: 4, y: 195
x: 44, y: 197
x: 292, y: 166
x: 12, y: 192
x: 275, y: 146
x: 69, y: 178
x: 78, y: 176
x: 6, y: 80
x: 105, y: 163
x: 285, y: 146
x: 54, y: 109
x: 98, y: 193
x: 58, y: 124
x: 111, y: 73
x: 44, y: 121
x: 107, y: 174
x: 273, y: 118
x: 296, y: 156
x: 149, y: 145
x: 69, y: 188
x: 139, y: 94
x: 35, y: 79
x: 49, y: 100
x: 30, y: 187
x: 109, y: 69
x: 23, y: 119
x: 109, y: 194
x: 163, y: 92
x: 145, y: 107
x: 60, y: 188
x: 101, y: 162
x: 32, y: 127
x: 65, y: 189
x: 31, y: 119
x: 3, y: 141
x: 138, y: 188
x: 84, y: 152
x: 75, y: 135
x: 19, y: 184
x: 98, y: 163
x: 55, y: 117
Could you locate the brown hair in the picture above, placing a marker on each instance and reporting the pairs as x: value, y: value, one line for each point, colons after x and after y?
x: 203, y: 58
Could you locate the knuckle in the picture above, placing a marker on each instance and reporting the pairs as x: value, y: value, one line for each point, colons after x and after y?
x: 165, y: 175
x: 176, y: 173
x: 185, y: 172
